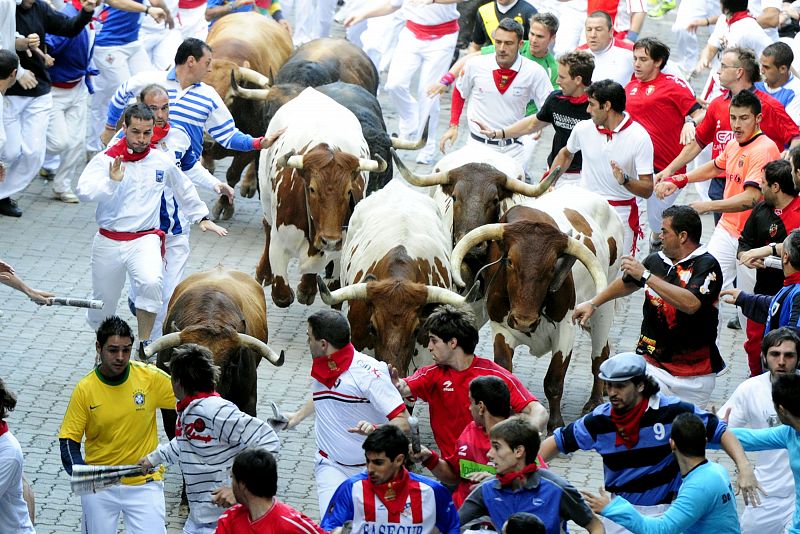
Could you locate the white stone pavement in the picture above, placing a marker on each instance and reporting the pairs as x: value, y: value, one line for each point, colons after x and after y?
x: 45, y: 351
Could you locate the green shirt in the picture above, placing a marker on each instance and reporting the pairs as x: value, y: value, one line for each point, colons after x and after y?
x: 548, y: 63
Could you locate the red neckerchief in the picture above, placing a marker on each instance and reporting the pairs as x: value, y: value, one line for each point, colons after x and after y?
x: 503, y: 78
x: 327, y: 369
x: 739, y: 15
x: 394, y: 493
x: 628, y: 424
x: 186, y: 401
x: 159, y: 133
x: 3, y: 427
x: 792, y: 279
x: 627, y: 121
x: 584, y: 98
x: 508, y: 478
x: 120, y: 148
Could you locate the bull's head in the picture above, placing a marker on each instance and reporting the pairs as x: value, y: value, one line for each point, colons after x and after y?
x: 392, y: 312
x: 477, y: 190
x: 221, y: 341
x: 333, y: 184
x: 226, y: 77
x: 537, y: 260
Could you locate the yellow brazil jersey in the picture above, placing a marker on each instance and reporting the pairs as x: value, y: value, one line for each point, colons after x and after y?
x: 118, y: 418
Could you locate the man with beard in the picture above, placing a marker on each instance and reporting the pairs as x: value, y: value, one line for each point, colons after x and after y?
x: 130, y: 240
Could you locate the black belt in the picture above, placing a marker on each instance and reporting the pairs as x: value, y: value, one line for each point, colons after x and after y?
x: 496, y: 142
x: 325, y: 455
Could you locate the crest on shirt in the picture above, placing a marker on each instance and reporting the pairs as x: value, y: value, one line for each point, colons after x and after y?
x: 773, y: 228
x: 740, y: 164
x: 712, y: 277
x: 649, y: 90
x: 138, y: 398
x: 160, y: 176
x: 447, y: 385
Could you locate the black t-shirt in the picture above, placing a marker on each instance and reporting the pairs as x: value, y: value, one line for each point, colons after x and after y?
x: 521, y: 12
x: 767, y: 225
x: 683, y: 344
x: 563, y: 113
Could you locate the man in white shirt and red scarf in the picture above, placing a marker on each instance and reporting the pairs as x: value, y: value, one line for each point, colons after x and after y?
x: 352, y: 394
x: 129, y: 240
x: 617, y: 156
x: 387, y: 497
x: 498, y: 89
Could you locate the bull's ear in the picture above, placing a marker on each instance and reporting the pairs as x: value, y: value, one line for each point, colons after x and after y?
x: 562, y: 269
x: 174, y: 327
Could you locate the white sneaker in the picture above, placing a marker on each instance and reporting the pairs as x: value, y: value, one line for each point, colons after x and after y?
x: 67, y: 196
x: 427, y: 154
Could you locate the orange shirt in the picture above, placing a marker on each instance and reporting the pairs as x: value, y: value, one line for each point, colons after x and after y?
x: 744, y: 166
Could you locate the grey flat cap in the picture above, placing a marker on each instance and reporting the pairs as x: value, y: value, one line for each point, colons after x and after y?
x: 622, y: 367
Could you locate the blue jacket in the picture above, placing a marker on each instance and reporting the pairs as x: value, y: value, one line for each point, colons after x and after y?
x: 705, y: 503
x: 72, y: 55
x: 782, y: 309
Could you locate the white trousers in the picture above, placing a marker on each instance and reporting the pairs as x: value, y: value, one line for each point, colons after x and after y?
x: 142, y: 506
x: 686, y: 51
x: 329, y: 476
x: 175, y: 259
x: 571, y: 29
x: 772, y: 516
x: 430, y: 59
x: 312, y: 20
x: 111, y: 261
x: 649, y: 511
x: 160, y: 46
x: 116, y: 65
x: 379, y: 39
x: 694, y: 389
x: 193, y: 22
x: 518, y: 152
x: 25, y: 120
x: 67, y: 116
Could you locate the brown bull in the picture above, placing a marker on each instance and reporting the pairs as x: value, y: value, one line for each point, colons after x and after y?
x: 224, y: 310
x: 248, y: 49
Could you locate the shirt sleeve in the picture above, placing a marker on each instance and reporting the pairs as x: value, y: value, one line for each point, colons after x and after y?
x: 738, y: 416
x: 706, y: 280
x: 94, y: 183
x: 421, y: 382
x: 572, y: 506
x: 574, y: 141
x: 465, y: 80
x: 166, y: 453
x: 520, y: 396
x: 474, y: 507
x: 722, y: 159
x: 382, y: 393
x: 236, y: 427
x: 126, y: 93
x: 220, y: 126
x: 162, y: 387
x: 574, y: 436
x: 545, y: 113
x: 758, y: 159
x: 793, y: 109
x: 447, y: 520
x: 11, y: 475
x: 644, y: 156
x: 74, y: 424
x: 541, y: 87
x: 763, y: 439
x: 340, y: 510
x: 682, y: 96
x: 184, y: 190
x: 704, y: 133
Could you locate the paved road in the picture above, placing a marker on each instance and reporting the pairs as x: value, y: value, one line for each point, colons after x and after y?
x: 45, y: 351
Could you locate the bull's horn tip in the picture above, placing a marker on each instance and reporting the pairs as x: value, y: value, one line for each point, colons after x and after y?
x: 281, y: 358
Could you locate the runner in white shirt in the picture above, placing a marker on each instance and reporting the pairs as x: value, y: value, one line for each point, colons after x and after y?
x: 497, y: 89
x: 161, y: 40
x: 425, y: 48
x: 736, y: 27
x: 767, y: 14
x: 352, y: 394
x: 129, y: 201
x: 751, y: 406
x: 617, y: 156
x: 613, y: 59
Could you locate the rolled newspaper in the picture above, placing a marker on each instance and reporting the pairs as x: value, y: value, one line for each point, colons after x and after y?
x: 78, y: 303
x: 93, y: 478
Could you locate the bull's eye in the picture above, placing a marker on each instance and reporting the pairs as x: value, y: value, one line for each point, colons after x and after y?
x: 509, y: 264
x: 371, y: 330
x: 311, y: 190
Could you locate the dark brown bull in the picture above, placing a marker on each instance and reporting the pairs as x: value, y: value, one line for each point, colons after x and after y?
x: 248, y: 48
x: 224, y: 310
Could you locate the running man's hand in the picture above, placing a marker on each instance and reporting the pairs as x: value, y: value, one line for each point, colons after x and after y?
x: 115, y: 169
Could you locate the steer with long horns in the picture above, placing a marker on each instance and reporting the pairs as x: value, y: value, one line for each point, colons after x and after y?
x: 395, y: 271
x: 542, y: 257
x: 224, y: 310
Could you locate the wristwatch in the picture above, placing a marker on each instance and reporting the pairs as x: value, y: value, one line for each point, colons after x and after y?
x: 774, y: 250
x: 646, y: 275
x: 689, y: 119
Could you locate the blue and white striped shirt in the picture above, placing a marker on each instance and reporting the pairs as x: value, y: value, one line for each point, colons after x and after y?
x: 194, y: 109
x: 648, y: 473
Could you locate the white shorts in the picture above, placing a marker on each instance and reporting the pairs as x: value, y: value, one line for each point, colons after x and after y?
x: 142, y: 507
x: 772, y: 516
x: 649, y: 511
x: 694, y: 389
x: 329, y: 476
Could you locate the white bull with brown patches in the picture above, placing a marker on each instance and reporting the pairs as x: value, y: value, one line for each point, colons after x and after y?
x: 395, y: 270
x: 548, y: 253
x: 311, y: 178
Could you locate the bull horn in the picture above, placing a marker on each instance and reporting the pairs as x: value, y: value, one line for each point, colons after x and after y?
x: 248, y: 94
x: 487, y: 232
x: 167, y: 341
x: 372, y: 165
x: 589, y: 260
x: 444, y: 296
x: 249, y: 75
x: 262, y: 348
x: 420, y: 180
x: 404, y: 144
x: 290, y: 160
x: 351, y: 292
x: 533, y: 190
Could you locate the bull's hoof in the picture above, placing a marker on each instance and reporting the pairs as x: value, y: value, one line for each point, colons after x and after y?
x: 307, y: 290
x: 248, y: 188
x: 263, y: 275
x: 223, y: 209
x: 590, y: 405
x: 282, y: 294
x: 553, y: 423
